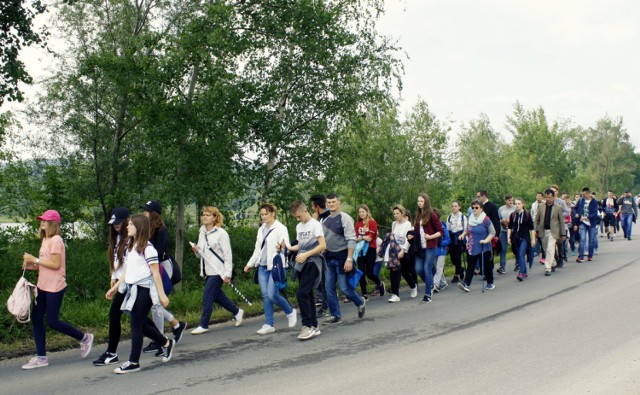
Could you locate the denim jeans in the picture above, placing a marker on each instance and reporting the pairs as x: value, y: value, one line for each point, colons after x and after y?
x: 271, y: 295
x: 335, y: 273
x: 505, y: 247
x: 213, y: 293
x: 627, y: 221
x: 425, y: 266
x: 523, y: 249
x: 590, y: 233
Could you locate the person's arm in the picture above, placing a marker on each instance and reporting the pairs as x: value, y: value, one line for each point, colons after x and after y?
x: 319, y: 249
x: 257, y: 252
x: 350, y: 236
x: 29, y: 262
x: 492, y: 234
x: 155, y: 272
x: 225, y: 244
x: 162, y: 244
x: 114, y: 287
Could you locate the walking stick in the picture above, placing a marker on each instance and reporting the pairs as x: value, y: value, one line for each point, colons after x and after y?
x: 482, y: 267
x: 240, y: 293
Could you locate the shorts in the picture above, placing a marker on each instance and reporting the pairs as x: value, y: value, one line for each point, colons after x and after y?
x: 609, y: 220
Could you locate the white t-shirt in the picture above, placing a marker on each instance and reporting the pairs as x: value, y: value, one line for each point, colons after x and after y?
x: 308, y: 233
x: 400, y: 231
x: 138, y: 264
x: 118, y: 269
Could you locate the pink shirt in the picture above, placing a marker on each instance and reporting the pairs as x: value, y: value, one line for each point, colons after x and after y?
x: 48, y: 279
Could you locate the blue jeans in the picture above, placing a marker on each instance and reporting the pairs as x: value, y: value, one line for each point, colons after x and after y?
x: 525, y: 254
x: 213, y: 293
x: 505, y: 247
x: 335, y: 273
x: 271, y: 295
x: 627, y: 221
x: 425, y: 266
x: 587, y: 232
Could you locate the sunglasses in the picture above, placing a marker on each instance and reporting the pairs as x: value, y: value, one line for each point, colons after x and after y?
x: 476, y: 208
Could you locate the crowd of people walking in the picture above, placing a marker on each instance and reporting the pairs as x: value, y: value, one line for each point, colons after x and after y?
x: 331, y: 251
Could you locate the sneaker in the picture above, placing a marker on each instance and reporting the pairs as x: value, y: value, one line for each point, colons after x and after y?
x: 332, y: 320
x: 106, y: 359
x: 346, y: 300
x: 414, y: 292
x: 573, y: 253
x: 515, y: 268
x: 547, y: 273
x: 322, y: 313
x: 318, y: 302
x: 543, y: 261
x: 501, y: 270
x: 365, y: 297
x: 160, y: 352
x: 200, y: 330
x: 292, y: 318
x: 525, y: 275
x: 463, y: 286
x: 520, y: 277
x: 455, y: 279
x: 489, y: 287
x: 177, y: 332
x: 85, y: 345
x: 305, y: 333
x: 426, y: 299
x: 239, y: 316
x: 590, y: 258
x: 435, y: 289
x: 316, y: 331
x: 266, y: 329
x: 443, y: 286
x: 579, y: 260
x: 596, y: 251
x: 152, y: 347
x: 394, y: 298
x: 127, y: 367
x: 383, y: 289
x: 168, y: 351
x: 36, y: 362
x: 361, y: 309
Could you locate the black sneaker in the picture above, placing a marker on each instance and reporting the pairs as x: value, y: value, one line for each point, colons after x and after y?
x: 177, y: 333
x: 168, y: 351
x: 106, y: 359
x: 382, y: 288
x: 128, y: 367
x: 322, y: 313
x: 152, y: 347
x: 361, y: 310
x: 426, y: 299
x: 332, y: 320
x: 160, y: 352
x: 455, y: 280
x: 501, y: 270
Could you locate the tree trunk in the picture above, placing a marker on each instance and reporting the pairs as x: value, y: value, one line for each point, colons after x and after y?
x: 180, y: 235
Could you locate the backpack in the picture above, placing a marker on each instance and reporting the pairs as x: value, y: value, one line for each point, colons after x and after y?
x: 176, y: 276
x: 19, y: 303
x: 278, y: 272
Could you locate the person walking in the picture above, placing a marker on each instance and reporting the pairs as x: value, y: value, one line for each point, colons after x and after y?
x: 479, y: 234
x: 216, y: 266
x: 629, y: 212
x: 444, y: 241
x: 457, y: 223
x: 585, y: 221
x: 519, y: 237
x: 504, y: 212
x: 270, y: 235
x: 320, y: 212
x: 52, y: 268
x: 492, y: 212
x: 367, y: 232
x: 549, y: 226
x: 428, y: 229
x: 400, y: 228
x: 610, y: 208
x: 116, y: 252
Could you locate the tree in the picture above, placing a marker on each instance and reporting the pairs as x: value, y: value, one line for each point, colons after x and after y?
x: 16, y: 32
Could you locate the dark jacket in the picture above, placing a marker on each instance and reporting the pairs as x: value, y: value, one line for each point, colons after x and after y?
x: 492, y: 212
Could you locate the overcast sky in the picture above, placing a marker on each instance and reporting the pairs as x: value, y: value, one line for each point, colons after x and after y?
x: 577, y: 59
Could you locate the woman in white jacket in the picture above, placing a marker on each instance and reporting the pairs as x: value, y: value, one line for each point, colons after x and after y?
x: 216, y: 266
x: 270, y: 235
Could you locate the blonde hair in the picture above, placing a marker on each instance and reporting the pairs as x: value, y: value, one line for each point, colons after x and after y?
x: 400, y: 208
x: 52, y: 230
x: 215, y: 212
x: 366, y: 209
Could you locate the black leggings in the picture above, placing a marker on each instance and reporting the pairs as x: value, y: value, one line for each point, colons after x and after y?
x: 455, y: 252
x: 306, y: 301
x: 488, y: 267
x: 408, y: 271
x: 142, y: 326
x: 366, y: 264
x: 115, y: 328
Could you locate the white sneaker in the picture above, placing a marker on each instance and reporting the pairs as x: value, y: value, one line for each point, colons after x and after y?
x: 394, y: 298
x: 292, y: 318
x: 239, y: 317
x: 414, y: 291
x: 266, y: 329
x: 200, y: 330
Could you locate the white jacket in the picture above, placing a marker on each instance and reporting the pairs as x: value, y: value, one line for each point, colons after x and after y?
x: 278, y: 233
x: 219, y: 241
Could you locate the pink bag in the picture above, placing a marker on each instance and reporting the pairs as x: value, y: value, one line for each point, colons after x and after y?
x: 19, y: 303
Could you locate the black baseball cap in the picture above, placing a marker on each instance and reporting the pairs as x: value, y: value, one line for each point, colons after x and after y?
x: 118, y: 214
x: 152, y: 206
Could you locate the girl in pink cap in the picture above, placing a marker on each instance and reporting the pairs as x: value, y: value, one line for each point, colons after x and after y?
x: 51, y: 268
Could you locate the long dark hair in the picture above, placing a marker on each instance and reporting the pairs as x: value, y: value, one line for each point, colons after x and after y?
x: 113, y: 239
x: 143, y: 233
x: 155, y: 222
x: 424, y: 214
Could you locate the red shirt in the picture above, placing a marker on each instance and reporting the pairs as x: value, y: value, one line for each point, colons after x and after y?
x: 371, y: 230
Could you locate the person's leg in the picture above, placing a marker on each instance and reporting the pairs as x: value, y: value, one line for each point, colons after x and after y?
x: 140, y: 326
x: 395, y: 276
x: 593, y: 240
x: 304, y: 295
x: 349, y: 292
x: 221, y: 298
x: 488, y: 267
x: 455, y: 253
x: 115, y: 325
x: 550, y: 243
x: 370, y: 260
x: 208, y: 297
x: 471, y: 268
x: 331, y: 276
x: 439, y: 280
x: 37, y: 323
x: 584, y: 231
x: 276, y: 299
x: 263, y: 281
x: 522, y: 253
x: 503, y: 252
x: 407, y: 269
x: 54, y: 302
x: 626, y: 224
x: 430, y: 260
x: 420, y: 265
x: 362, y: 266
x: 158, y: 317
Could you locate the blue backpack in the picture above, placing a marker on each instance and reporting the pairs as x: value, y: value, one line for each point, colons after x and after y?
x: 278, y: 272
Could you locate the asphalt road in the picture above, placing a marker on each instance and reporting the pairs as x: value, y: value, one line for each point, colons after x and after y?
x: 575, y: 332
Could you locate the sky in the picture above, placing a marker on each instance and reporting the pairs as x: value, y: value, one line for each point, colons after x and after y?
x: 578, y: 59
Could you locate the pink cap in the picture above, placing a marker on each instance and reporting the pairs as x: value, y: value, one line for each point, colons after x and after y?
x: 50, y: 215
